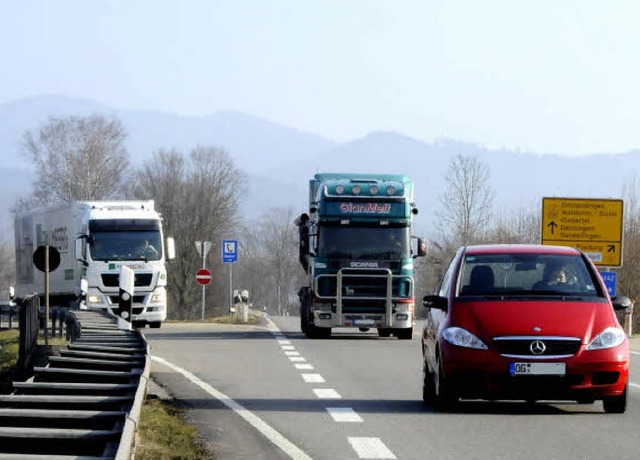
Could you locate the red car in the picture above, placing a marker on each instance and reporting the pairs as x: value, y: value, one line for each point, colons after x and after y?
x: 524, y: 322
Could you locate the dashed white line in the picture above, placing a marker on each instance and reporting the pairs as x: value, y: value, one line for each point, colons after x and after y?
x: 284, y: 342
x: 326, y: 393
x: 304, y: 367
x: 313, y: 378
x: 634, y: 385
x: 344, y: 414
x: 296, y: 358
x: 288, y: 347
x: 636, y: 352
x: 274, y: 436
x: 370, y: 448
x: 292, y: 353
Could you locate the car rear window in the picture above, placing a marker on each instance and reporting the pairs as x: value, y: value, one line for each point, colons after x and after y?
x: 527, y: 274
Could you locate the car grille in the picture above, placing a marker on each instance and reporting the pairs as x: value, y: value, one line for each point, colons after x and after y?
x: 537, y: 347
x: 113, y: 279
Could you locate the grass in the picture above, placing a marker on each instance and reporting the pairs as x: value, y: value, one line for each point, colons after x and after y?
x: 165, y: 434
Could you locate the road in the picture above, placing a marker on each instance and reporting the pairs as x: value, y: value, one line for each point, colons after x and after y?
x: 269, y: 393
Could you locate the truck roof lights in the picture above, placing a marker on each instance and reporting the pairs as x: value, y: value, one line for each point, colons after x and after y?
x: 339, y: 189
x: 391, y: 190
x: 373, y: 190
x: 356, y: 190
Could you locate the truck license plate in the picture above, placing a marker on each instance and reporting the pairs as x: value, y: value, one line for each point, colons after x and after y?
x: 363, y: 322
x: 537, y: 368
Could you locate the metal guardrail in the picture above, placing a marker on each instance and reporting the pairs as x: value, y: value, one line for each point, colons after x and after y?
x: 86, y: 402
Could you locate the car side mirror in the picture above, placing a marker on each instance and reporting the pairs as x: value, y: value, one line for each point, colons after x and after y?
x: 435, y: 301
x: 621, y: 302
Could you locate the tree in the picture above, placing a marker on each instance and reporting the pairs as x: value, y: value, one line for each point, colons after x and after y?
x: 198, y: 198
x: 269, y: 266
x: 75, y: 158
x: 628, y: 283
x: 466, y: 201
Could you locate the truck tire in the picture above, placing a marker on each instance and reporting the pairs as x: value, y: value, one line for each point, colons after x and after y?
x: 383, y: 332
x: 404, y: 334
x: 155, y: 324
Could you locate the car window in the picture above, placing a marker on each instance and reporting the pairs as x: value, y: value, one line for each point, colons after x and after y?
x: 527, y: 274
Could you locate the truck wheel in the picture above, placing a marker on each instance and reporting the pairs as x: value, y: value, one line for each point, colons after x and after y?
x: 319, y: 332
x: 404, y: 334
x: 155, y: 325
x: 384, y: 332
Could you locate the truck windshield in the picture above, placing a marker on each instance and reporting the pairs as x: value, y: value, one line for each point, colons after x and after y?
x: 126, y: 245
x: 125, y: 239
x: 364, y: 242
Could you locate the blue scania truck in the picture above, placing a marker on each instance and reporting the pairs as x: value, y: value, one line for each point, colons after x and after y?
x: 358, y: 249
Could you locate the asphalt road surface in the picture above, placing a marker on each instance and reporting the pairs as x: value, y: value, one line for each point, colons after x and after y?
x: 267, y: 392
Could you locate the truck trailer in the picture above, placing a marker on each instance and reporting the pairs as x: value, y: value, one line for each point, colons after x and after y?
x: 95, y: 240
x: 358, y: 251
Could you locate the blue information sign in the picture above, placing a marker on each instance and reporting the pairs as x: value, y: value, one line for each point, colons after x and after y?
x: 229, y: 251
x: 609, y: 279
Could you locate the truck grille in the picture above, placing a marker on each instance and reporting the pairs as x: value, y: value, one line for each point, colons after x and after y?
x: 544, y: 346
x: 113, y: 279
x: 363, y: 290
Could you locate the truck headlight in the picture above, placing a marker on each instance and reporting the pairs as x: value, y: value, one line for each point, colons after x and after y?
x: 157, y: 298
x: 94, y: 299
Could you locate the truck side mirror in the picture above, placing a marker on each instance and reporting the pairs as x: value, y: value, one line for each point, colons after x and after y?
x: 422, y: 248
x: 171, y: 248
x: 80, y: 250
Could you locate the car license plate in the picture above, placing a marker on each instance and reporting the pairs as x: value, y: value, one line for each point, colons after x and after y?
x: 537, y: 368
x: 363, y: 322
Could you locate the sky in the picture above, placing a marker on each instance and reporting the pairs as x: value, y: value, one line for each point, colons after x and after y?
x: 542, y: 76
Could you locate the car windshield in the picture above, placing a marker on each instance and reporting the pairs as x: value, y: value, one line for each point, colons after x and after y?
x: 527, y: 274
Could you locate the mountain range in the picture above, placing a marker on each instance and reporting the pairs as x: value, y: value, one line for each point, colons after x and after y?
x: 279, y: 160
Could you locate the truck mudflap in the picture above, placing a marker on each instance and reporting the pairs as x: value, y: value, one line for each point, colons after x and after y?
x: 365, y: 297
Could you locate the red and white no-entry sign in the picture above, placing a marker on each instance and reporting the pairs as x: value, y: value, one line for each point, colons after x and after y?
x: 203, y: 276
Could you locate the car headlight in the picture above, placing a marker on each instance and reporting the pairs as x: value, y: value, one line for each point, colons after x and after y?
x: 609, y: 338
x: 463, y: 338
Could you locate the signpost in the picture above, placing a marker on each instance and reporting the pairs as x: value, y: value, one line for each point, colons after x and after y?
x: 203, y: 276
x: 592, y: 225
x: 230, y: 256
x: 46, y: 259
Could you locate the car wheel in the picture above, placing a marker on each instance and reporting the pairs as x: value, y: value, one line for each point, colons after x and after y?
x: 445, y: 396
x: 428, y: 388
x: 616, y: 404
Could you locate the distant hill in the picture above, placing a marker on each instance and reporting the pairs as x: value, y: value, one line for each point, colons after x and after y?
x: 280, y: 160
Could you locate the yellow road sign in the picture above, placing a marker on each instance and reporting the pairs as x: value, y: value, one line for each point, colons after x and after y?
x: 592, y: 225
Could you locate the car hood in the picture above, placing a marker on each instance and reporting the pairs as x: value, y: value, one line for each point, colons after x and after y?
x: 565, y: 318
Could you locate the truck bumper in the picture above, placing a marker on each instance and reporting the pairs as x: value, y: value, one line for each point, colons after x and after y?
x: 399, y: 320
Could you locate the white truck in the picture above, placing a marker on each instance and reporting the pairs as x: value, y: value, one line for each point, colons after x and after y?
x: 95, y: 240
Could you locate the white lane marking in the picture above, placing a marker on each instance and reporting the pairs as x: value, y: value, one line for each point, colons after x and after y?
x: 344, y: 414
x: 284, y: 342
x: 636, y: 352
x: 313, y: 378
x: 287, y: 347
x: 306, y: 367
x: 296, y: 358
x: 370, y: 448
x: 271, y: 434
x: 634, y: 385
x: 292, y: 353
x: 326, y: 393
